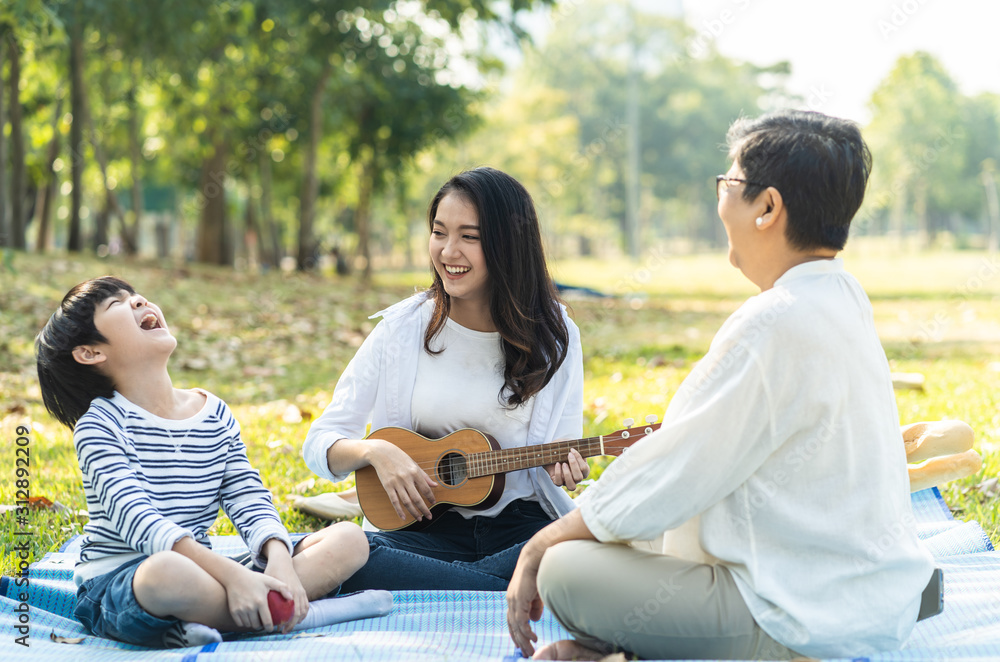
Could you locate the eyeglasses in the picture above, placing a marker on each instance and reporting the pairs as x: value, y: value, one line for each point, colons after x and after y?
x: 722, y: 181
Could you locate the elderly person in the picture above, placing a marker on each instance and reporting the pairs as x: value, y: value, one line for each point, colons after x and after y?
x: 777, y: 482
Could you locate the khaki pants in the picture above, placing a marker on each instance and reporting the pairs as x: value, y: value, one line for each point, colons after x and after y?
x: 614, y: 597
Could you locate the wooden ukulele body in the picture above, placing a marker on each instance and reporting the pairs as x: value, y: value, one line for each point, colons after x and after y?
x: 469, y: 467
x: 445, y: 460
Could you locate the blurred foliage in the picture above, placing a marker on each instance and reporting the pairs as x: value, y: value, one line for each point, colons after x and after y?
x: 179, y: 82
x: 560, y: 124
x: 930, y: 145
x: 408, y: 93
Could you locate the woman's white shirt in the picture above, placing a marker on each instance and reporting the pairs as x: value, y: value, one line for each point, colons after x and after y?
x: 377, y: 388
x: 460, y: 388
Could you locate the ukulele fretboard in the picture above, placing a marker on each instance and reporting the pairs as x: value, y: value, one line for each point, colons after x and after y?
x: 526, y: 457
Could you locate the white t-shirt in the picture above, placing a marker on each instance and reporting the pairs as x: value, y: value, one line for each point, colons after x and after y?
x: 376, y: 388
x: 460, y: 388
x: 785, y: 441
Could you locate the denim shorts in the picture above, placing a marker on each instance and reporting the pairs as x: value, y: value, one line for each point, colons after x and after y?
x: 107, y: 607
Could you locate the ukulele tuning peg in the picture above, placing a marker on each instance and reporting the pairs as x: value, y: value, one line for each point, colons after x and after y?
x: 629, y: 422
x: 651, y: 419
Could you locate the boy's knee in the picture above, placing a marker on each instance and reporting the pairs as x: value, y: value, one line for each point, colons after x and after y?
x: 164, y: 573
x: 356, y: 542
x: 160, y: 575
x: 160, y: 565
x: 346, y: 544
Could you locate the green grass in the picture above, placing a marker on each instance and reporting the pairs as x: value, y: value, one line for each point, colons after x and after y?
x: 273, y: 345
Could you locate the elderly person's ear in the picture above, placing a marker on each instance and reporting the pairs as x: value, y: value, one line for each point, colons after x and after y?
x: 774, y: 209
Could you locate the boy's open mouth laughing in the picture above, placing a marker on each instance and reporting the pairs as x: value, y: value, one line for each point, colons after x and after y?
x: 149, y: 322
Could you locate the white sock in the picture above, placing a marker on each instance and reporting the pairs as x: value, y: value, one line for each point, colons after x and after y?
x: 185, y: 634
x: 365, y: 604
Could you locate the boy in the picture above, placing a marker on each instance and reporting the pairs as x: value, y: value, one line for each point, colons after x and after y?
x: 157, y: 463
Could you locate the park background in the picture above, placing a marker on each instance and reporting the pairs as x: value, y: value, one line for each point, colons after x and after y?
x: 222, y: 156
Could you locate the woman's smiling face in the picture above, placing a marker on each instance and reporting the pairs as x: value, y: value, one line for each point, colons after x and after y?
x: 456, y: 250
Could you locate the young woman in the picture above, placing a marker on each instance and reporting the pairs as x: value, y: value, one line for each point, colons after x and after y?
x: 158, y: 462
x: 488, y: 347
x: 780, y: 454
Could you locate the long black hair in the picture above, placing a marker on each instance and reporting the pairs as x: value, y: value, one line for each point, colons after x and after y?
x: 523, y: 302
x: 68, y: 387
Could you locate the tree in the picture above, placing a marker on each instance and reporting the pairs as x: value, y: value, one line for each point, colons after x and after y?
x: 220, y: 89
x: 529, y: 135
x: 48, y: 184
x: 310, y: 181
x: 382, y: 80
x: 18, y: 171
x: 74, y: 20
x: 918, y: 143
x: 184, y: 96
x: 24, y: 27
x: 4, y: 240
x: 140, y: 41
x: 377, y: 59
x: 579, y: 167
x: 978, y: 194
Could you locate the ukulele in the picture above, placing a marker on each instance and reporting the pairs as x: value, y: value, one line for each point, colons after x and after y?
x: 469, y: 467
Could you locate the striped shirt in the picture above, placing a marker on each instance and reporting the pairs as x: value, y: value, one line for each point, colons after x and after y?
x: 152, y: 481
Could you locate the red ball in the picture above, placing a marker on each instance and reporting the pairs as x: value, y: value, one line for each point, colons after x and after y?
x: 281, y: 607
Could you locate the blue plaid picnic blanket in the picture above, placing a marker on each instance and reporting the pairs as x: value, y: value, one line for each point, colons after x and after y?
x: 471, y: 626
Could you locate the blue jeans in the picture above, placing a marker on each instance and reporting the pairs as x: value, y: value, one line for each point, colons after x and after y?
x: 452, y: 553
x: 107, y: 607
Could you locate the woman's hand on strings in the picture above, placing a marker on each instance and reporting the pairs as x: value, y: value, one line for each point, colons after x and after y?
x: 408, y: 487
x: 570, y: 472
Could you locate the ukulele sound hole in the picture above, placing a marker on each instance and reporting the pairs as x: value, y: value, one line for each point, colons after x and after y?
x: 453, y: 469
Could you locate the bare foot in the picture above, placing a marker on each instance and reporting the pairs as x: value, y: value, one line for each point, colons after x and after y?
x: 349, y: 495
x: 567, y: 649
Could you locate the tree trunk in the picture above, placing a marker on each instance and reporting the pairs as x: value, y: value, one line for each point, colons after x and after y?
x: 135, y: 156
x: 251, y: 235
x: 633, y: 167
x: 17, y: 219
x: 75, y: 241
x: 362, y: 214
x: 992, y: 210
x: 401, y: 203
x: 102, y: 163
x: 4, y: 239
x: 212, y: 227
x: 695, y: 223
x: 161, y: 235
x: 271, y: 252
x: 310, y: 183
x: 897, y: 213
x: 48, y: 190
x: 920, y: 209
x: 100, y: 238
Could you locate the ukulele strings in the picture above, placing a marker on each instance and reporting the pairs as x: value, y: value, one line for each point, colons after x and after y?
x: 520, y: 453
